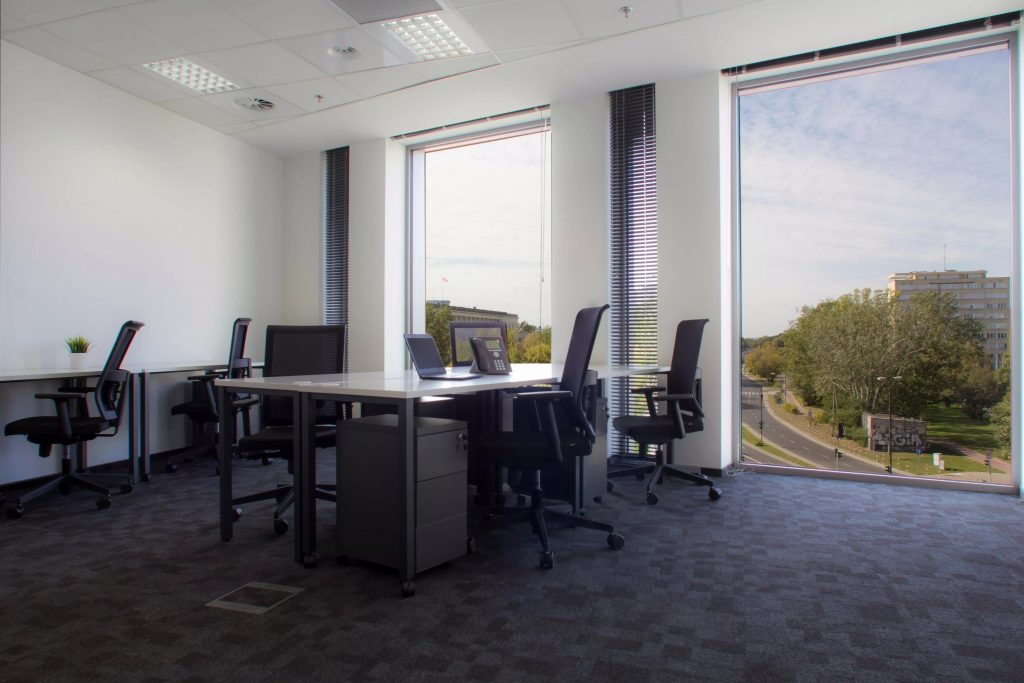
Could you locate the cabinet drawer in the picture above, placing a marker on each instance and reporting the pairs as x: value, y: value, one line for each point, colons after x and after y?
x: 440, y: 454
x: 440, y: 542
x: 439, y: 498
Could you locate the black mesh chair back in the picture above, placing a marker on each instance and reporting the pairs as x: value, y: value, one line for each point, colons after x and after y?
x: 577, y: 361
x: 237, y: 367
x: 682, y: 375
x: 300, y: 350
x: 113, y: 381
x: 459, y: 334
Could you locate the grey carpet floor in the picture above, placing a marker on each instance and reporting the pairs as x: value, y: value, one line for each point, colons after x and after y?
x: 783, y: 579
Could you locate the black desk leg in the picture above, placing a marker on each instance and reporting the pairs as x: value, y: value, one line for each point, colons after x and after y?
x: 304, y: 478
x: 145, y: 468
x: 227, y: 437
x: 133, y: 432
x: 407, y: 438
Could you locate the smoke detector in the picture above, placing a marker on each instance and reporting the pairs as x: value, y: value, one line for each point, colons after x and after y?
x: 254, y: 103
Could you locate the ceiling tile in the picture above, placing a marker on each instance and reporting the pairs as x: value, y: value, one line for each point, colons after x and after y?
x: 42, y: 11
x: 196, y: 24
x: 597, y: 18
x: 122, y: 3
x: 527, y: 52
x: 520, y: 23
x: 469, y: 3
x: 57, y: 49
x: 304, y: 94
x: 379, y: 81
x: 202, y: 112
x: 116, y: 37
x: 228, y: 102
x: 143, y: 83
x: 260, y: 64
x: 369, y: 54
x: 9, y: 22
x: 278, y: 19
x: 234, y: 128
x: 694, y: 8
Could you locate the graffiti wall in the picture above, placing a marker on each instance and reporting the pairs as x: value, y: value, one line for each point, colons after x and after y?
x: 908, y: 434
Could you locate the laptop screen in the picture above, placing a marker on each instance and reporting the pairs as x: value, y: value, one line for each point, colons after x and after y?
x: 424, y: 353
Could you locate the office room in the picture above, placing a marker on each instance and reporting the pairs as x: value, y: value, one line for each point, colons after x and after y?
x: 749, y: 185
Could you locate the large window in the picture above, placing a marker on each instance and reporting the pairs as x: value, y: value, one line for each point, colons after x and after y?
x: 877, y: 255
x: 481, y: 237
x: 335, y: 246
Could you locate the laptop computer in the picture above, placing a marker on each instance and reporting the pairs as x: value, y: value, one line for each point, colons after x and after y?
x: 427, y: 360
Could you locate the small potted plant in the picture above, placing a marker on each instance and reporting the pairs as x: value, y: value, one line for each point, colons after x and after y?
x: 78, y: 346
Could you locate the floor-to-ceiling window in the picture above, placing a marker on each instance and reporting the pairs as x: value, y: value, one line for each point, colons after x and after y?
x: 481, y: 236
x: 877, y: 240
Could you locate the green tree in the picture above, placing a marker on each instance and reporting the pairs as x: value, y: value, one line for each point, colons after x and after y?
x: 1000, y: 419
x: 765, y: 360
x: 979, y: 390
x: 438, y: 318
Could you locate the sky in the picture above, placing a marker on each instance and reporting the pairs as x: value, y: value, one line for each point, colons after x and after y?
x: 487, y: 226
x: 847, y: 181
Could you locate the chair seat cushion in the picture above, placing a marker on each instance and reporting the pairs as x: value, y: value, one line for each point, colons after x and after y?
x: 279, y: 439
x: 645, y: 429
x: 46, y: 429
x: 529, y: 450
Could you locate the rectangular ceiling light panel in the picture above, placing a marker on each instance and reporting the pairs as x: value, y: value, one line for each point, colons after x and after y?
x: 191, y: 75
x: 373, y: 11
x: 428, y: 37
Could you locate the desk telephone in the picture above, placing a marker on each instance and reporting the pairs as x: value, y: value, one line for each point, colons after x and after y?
x: 490, y: 356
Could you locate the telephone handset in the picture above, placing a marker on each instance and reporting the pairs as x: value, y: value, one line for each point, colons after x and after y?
x: 490, y: 356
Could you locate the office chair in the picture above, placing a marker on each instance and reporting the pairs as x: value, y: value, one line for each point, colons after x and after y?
x: 294, y: 350
x: 459, y: 334
x: 559, y: 431
x: 66, y: 429
x: 202, y: 409
x: 683, y: 414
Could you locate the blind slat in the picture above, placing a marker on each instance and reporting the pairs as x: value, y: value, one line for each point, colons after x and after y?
x: 335, y: 247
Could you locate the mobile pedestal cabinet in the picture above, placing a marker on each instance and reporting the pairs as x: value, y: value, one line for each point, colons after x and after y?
x: 370, y: 468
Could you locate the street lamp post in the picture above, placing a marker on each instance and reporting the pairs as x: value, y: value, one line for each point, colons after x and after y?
x: 894, y: 378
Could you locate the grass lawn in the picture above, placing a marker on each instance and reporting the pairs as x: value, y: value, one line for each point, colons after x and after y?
x: 922, y: 464
x: 951, y: 424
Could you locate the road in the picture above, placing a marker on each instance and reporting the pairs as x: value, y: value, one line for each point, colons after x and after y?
x: 788, y: 439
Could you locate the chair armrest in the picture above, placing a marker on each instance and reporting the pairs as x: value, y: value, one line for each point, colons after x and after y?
x: 65, y: 395
x: 76, y: 390
x: 690, y: 400
x: 202, y: 378
x: 63, y: 415
x: 542, y: 395
x: 646, y: 390
x: 246, y: 402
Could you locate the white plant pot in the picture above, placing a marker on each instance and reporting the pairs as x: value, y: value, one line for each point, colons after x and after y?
x: 79, y: 361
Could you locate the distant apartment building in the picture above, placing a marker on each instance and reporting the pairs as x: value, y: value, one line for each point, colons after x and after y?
x: 978, y: 296
x: 462, y: 314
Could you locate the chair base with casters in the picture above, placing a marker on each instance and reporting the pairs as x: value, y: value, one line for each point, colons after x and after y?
x: 658, y: 470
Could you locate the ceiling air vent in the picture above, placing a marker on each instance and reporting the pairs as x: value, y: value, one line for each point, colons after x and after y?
x: 371, y: 11
x: 254, y: 103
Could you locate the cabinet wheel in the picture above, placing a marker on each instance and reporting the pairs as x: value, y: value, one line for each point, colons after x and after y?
x: 103, y: 503
x: 236, y: 514
x: 598, y: 499
x: 408, y: 589
x: 127, y: 487
x: 15, y: 512
x: 714, y: 493
x: 170, y: 468
x: 547, y: 560
x: 652, y: 498
x: 470, y: 545
x: 309, y: 561
x: 616, y: 541
x: 609, y: 487
x: 280, y: 526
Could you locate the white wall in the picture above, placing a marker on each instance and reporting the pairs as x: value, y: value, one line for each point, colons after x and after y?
x: 112, y: 208
x: 694, y: 242
x: 579, y: 218
x: 303, y: 232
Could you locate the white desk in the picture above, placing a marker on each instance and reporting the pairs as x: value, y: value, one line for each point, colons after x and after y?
x: 400, y: 389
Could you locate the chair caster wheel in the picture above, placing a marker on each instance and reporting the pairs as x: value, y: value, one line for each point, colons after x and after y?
x: 103, y: 503
x: 64, y: 488
x: 309, y: 561
x: 344, y: 560
x: 15, y: 512
x: 609, y: 487
x: 280, y: 526
x: 236, y: 514
x: 470, y: 545
x: 127, y: 487
x: 170, y: 468
x: 145, y: 477
x: 278, y: 497
x: 408, y: 589
x: 616, y: 541
x: 652, y: 498
x: 714, y: 493
x: 639, y: 476
x: 598, y: 499
x: 547, y: 560
x: 520, y: 500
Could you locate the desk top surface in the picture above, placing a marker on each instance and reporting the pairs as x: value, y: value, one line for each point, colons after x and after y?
x: 406, y: 384
x: 69, y: 373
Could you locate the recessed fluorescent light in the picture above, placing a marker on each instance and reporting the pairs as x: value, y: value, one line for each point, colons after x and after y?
x: 428, y: 37
x: 191, y: 75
